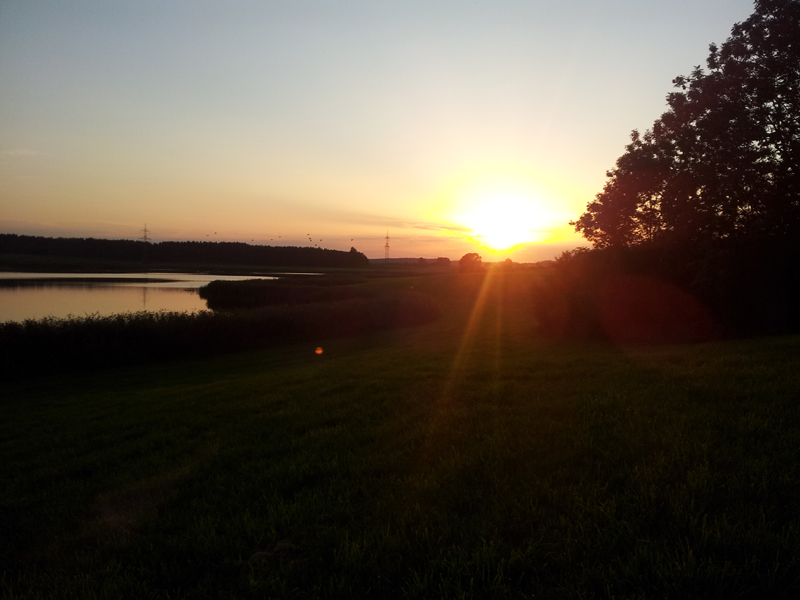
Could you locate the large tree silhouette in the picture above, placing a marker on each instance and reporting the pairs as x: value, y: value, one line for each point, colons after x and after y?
x: 722, y: 161
x: 470, y: 263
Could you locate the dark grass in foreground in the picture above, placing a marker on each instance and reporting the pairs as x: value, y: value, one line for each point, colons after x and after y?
x: 447, y: 461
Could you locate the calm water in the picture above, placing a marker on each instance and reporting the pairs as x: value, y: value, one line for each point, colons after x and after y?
x: 37, y: 295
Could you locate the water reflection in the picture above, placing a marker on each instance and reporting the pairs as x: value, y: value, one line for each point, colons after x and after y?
x: 37, y: 295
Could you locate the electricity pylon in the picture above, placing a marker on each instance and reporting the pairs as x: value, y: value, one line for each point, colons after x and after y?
x: 146, y: 239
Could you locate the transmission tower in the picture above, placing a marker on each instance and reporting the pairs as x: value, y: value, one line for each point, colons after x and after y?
x: 386, y: 247
x: 146, y: 239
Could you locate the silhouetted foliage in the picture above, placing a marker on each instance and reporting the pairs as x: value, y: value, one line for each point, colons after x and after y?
x: 470, y: 263
x: 286, y: 290
x: 707, y: 201
x: 506, y: 265
x: 620, y: 296
x: 678, y: 294
x: 443, y: 262
x: 724, y: 160
x: 231, y: 253
x: 39, y: 347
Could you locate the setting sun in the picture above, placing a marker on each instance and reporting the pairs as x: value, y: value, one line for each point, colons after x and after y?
x: 503, y: 219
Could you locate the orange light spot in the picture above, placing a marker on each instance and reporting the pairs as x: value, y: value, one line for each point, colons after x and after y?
x: 318, y: 350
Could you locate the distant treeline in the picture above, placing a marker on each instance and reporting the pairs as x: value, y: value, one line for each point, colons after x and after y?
x: 437, y: 262
x: 227, y: 253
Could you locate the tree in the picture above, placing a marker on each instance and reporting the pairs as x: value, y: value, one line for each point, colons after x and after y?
x: 723, y: 162
x: 443, y: 262
x: 356, y: 258
x: 506, y: 265
x: 470, y: 263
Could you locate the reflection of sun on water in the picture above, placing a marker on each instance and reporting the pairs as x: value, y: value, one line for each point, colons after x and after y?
x: 503, y: 219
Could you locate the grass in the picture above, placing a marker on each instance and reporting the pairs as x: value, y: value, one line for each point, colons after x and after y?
x: 462, y: 459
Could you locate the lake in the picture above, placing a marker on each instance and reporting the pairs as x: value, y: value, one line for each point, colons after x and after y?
x: 37, y: 295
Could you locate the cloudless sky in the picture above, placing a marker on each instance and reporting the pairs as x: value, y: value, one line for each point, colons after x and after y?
x: 242, y: 120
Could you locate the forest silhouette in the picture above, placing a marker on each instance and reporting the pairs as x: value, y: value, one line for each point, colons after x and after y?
x: 227, y: 253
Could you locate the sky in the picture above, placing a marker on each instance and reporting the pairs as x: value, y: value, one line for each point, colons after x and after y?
x: 453, y: 126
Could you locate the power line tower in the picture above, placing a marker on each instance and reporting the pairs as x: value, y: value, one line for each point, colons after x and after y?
x: 386, y: 247
x: 146, y: 239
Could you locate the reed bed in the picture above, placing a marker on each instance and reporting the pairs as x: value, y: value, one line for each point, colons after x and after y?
x: 86, y: 342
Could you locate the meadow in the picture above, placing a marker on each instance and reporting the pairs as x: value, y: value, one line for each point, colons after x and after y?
x: 467, y: 457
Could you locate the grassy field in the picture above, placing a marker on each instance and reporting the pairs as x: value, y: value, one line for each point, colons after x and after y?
x: 468, y: 458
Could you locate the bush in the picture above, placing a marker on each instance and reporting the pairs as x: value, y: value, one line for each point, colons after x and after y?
x: 675, y: 294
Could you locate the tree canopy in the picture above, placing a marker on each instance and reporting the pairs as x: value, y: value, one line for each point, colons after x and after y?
x: 470, y: 263
x: 722, y: 161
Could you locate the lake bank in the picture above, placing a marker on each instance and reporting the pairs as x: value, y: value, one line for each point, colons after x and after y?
x: 304, y: 307
x: 40, y: 295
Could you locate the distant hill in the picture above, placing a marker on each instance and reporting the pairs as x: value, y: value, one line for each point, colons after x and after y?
x: 223, y: 253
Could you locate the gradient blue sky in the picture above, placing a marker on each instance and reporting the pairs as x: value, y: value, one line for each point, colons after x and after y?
x: 245, y: 120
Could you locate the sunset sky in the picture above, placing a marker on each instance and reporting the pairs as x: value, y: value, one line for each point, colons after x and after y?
x: 455, y: 125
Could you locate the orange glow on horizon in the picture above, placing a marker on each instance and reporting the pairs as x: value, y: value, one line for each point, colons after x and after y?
x: 501, y: 216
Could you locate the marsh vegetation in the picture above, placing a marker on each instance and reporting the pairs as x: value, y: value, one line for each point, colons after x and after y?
x: 249, y: 314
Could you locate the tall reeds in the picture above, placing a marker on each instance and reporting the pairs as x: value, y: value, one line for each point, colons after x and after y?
x: 41, y: 346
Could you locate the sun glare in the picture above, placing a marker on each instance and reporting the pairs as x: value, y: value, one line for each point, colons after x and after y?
x: 501, y: 220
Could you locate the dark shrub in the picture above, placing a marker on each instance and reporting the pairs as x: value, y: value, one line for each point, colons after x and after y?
x: 675, y: 294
